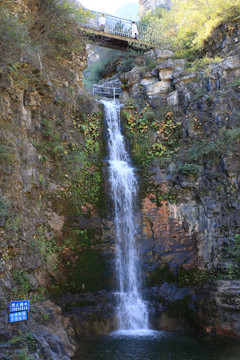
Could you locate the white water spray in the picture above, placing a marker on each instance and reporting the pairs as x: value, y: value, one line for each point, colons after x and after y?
x: 132, y: 310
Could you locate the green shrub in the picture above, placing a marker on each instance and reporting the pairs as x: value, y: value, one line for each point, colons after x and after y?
x: 6, y: 154
x: 26, y: 341
x: 14, y: 33
x: 205, y: 64
x: 188, y: 169
x: 231, y: 134
x: 3, y: 211
x: 190, y: 277
x: 236, y: 247
x: 56, y: 18
x: 13, y: 226
x: 150, y: 63
x: 109, y: 61
x: 23, y: 284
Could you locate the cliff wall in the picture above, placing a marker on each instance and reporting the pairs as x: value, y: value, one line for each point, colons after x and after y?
x: 57, y: 237
x: 51, y: 182
x: 182, y: 121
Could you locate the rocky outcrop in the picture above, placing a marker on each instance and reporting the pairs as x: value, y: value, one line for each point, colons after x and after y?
x: 159, y: 83
x: 42, y: 143
x: 146, y: 5
x: 224, y: 40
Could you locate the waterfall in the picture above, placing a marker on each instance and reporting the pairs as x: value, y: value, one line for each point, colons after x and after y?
x: 132, y: 311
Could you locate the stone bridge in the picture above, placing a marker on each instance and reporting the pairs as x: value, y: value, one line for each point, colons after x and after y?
x: 117, y: 33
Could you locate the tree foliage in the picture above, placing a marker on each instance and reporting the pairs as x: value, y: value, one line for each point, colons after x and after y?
x: 189, y: 22
x: 110, y: 61
x: 14, y: 36
x: 52, y: 24
x: 54, y: 15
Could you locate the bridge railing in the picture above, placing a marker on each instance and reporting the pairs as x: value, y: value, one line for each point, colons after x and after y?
x: 113, y: 24
x: 107, y: 91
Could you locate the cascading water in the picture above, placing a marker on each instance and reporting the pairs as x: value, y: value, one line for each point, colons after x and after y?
x: 132, y: 310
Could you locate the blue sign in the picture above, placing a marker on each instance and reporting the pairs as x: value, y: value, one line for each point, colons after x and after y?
x: 18, y: 316
x: 19, y: 305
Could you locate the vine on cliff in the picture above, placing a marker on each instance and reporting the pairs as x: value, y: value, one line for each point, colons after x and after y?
x: 152, y: 136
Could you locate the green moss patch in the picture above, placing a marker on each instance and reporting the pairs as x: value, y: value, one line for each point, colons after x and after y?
x: 160, y: 274
x: 81, y: 271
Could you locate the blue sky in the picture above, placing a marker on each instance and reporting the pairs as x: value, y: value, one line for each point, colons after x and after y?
x: 106, y: 6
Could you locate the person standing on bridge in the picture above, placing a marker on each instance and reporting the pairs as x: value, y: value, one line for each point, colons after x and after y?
x: 134, y: 30
x: 102, y: 22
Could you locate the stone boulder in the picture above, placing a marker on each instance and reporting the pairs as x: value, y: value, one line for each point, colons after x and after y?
x: 184, y: 78
x: 131, y: 77
x: 231, y: 63
x: 165, y: 71
x: 163, y: 54
x: 166, y: 74
x: 230, y: 68
x: 177, y: 64
x: 147, y: 80
x: 157, y: 88
x: 159, y: 54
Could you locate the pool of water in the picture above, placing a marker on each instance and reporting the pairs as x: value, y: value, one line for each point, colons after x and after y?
x: 158, y: 345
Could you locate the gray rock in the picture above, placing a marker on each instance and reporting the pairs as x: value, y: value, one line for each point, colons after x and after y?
x: 173, y: 98
x: 157, y: 88
x: 231, y: 63
x: 130, y: 78
x: 184, y: 78
x: 162, y: 54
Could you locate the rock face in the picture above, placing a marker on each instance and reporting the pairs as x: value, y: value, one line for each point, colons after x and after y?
x: 93, y: 53
x: 42, y: 154
x: 190, y: 213
x: 223, y: 40
x: 145, y: 5
x: 57, y: 235
x: 158, y: 84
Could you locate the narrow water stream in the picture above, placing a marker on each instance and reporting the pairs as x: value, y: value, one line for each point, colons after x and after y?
x: 132, y: 311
